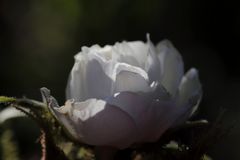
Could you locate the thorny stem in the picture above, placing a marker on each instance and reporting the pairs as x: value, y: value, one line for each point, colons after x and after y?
x: 49, y: 149
x: 43, y: 145
x: 38, y: 112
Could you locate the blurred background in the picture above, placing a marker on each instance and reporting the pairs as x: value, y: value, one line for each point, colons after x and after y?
x: 38, y: 40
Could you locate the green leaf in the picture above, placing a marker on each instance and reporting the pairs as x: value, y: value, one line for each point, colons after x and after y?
x: 4, y: 99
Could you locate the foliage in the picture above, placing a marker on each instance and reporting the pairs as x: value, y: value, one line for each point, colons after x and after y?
x: 8, y: 146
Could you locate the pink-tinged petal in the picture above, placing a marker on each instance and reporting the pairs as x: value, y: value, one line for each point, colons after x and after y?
x: 152, y: 118
x: 97, y: 123
x: 120, y: 121
x: 172, y: 66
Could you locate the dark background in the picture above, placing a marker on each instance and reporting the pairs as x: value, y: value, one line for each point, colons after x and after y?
x: 39, y: 38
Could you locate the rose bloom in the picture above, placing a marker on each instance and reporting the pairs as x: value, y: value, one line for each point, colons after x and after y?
x: 127, y: 93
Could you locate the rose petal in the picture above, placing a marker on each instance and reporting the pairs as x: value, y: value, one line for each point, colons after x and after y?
x: 130, y: 78
x: 159, y: 92
x: 152, y: 65
x: 140, y: 51
x: 101, y: 87
x: 97, y: 123
x: 82, y: 82
x: 172, y: 66
x: 75, y: 86
x: 152, y: 118
x: 133, y: 53
x: 189, y: 87
x: 190, y: 93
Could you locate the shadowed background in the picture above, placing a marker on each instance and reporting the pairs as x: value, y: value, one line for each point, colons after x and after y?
x: 38, y: 40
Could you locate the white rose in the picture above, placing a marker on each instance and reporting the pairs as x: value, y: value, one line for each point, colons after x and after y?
x: 131, y: 92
